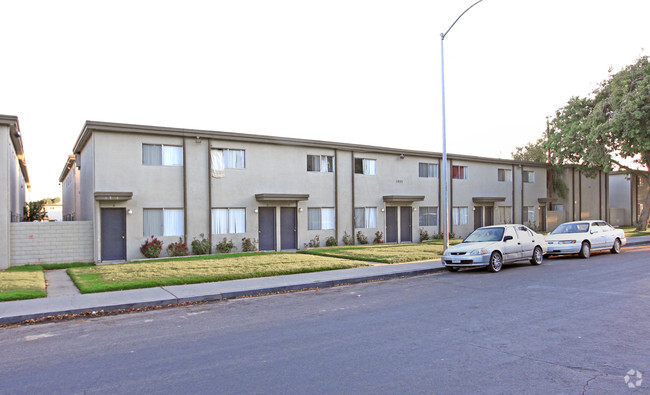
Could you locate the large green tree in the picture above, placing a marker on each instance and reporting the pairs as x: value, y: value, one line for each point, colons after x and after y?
x: 609, y: 129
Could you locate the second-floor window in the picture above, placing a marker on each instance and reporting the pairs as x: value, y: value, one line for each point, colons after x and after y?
x: 504, y: 175
x: 428, y: 170
x: 162, y: 155
x: 459, y: 172
x: 320, y: 163
x: 364, y: 166
x: 529, y: 176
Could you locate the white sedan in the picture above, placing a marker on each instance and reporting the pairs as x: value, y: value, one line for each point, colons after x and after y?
x: 582, y: 237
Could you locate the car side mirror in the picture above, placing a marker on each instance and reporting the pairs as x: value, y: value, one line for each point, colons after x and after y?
x: 507, y: 238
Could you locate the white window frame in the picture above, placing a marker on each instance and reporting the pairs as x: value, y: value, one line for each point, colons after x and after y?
x: 426, y: 210
x: 507, y: 175
x: 228, y: 220
x: 465, y: 172
x: 172, y: 219
x: 170, y: 155
x: 326, y: 217
x: 431, y: 170
x: 460, y: 215
x: 322, y: 164
x: 528, y: 176
x: 368, y: 166
x: 369, y: 219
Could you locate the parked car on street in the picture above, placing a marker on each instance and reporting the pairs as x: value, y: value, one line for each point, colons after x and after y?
x: 582, y: 237
x: 492, y: 246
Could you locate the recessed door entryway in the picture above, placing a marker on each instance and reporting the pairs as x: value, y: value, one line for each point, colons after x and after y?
x: 391, y: 224
x: 405, y: 220
x: 113, y: 237
x: 266, y: 227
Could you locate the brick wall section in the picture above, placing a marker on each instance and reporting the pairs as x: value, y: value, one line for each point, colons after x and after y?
x: 51, y: 242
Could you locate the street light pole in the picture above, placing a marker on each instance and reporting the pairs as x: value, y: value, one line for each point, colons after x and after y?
x: 445, y: 201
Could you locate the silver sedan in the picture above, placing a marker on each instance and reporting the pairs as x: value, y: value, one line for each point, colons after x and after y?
x: 492, y: 246
x: 582, y: 237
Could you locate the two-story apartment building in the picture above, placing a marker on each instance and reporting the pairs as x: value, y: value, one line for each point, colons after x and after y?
x: 137, y: 181
x: 14, y: 182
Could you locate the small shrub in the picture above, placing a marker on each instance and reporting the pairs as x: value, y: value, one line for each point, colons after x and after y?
x: 347, y: 239
x: 361, y: 238
x: 331, y: 241
x: 379, y: 237
x: 178, y: 249
x: 438, y: 236
x: 313, y: 243
x: 201, y: 247
x: 225, y: 246
x: 151, y: 249
x: 424, y: 235
x: 247, y: 245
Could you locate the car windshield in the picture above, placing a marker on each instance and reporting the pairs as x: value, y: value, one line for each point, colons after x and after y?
x: 580, y: 227
x: 485, y: 234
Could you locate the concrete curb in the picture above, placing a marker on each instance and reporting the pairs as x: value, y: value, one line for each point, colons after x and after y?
x: 175, y: 295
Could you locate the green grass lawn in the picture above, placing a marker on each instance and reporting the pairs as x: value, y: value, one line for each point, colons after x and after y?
x: 22, y: 285
x: 630, y: 231
x: 385, y: 253
x: 200, y: 269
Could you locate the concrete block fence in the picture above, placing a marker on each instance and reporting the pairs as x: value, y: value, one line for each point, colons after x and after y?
x: 35, y: 243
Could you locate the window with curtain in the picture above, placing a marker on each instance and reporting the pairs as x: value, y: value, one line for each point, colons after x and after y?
x: 428, y: 170
x: 428, y: 216
x: 228, y: 220
x: 504, y: 175
x: 320, y: 163
x: 365, y: 217
x: 162, y: 155
x: 226, y: 159
x: 459, y: 172
x: 505, y: 214
x: 529, y: 176
x: 321, y: 218
x: 365, y: 166
x: 460, y: 215
x: 529, y: 212
x: 163, y: 222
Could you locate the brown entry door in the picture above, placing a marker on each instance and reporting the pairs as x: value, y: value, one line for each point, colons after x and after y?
x: 113, y: 236
x: 288, y: 228
x: 405, y: 220
x: 266, y: 225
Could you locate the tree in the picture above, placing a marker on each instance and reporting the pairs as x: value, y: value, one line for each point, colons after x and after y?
x: 35, y: 211
x: 609, y: 129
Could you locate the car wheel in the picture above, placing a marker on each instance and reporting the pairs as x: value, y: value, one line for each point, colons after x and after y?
x: 585, y: 250
x: 616, y: 248
x: 452, y: 268
x: 496, y: 262
x: 538, y: 256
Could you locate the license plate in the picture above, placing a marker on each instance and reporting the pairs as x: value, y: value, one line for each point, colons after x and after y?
x: 455, y: 261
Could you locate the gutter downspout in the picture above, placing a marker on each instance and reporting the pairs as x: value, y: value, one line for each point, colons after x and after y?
x: 184, y: 192
x: 210, y: 194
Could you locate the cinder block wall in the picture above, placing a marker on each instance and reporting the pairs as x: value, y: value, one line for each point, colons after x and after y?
x: 35, y: 243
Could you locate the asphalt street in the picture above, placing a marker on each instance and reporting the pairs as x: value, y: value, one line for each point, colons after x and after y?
x: 568, y: 326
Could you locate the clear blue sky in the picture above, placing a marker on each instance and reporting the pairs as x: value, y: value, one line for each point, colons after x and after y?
x: 357, y: 71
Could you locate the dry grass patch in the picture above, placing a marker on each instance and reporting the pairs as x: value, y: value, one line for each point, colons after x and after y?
x: 22, y: 285
x: 152, y: 274
x: 387, y: 253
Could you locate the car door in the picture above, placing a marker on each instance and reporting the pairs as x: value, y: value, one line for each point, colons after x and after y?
x: 596, y: 236
x: 608, y: 234
x: 511, y: 248
x: 526, y: 241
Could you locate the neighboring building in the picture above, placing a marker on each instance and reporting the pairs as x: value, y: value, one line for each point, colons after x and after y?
x: 137, y: 181
x: 54, y: 212
x: 14, y: 182
x: 627, y: 194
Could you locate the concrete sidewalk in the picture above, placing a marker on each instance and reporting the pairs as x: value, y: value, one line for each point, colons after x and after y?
x: 62, y: 299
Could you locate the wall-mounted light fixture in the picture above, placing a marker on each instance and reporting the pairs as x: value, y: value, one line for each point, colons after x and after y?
x: 198, y: 140
x: 256, y: 211
x: 415, y: 209
x: 300, y: 209
x: 401, y: 156
x: 383, y: 209
x: 129, y: 211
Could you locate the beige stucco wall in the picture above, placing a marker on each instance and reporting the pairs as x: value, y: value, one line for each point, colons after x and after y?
x: 51, y: 242
x: 5, y: 188
x: 70, y: 197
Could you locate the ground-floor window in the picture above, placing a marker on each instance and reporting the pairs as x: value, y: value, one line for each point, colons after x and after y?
x: 228, y: 220
x: 529, y: 214
x: 365, y: 217
x: 460, y: 215
x: 163, y: 222
x: 428, y: 216
x: 321, y: 218
x: 504, y: 214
